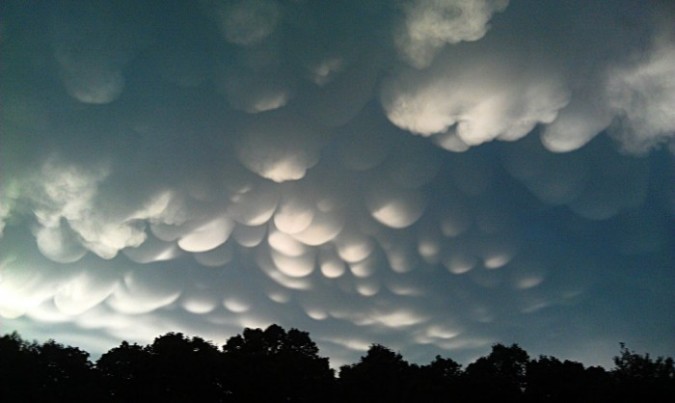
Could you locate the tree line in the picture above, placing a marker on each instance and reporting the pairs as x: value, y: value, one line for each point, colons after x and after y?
x: 275, y: 365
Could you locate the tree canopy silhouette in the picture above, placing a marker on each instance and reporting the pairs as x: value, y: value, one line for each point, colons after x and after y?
x: 124, y: 372
x: 500, y: 375
x: 49, y: 372
x: 275, y: 365
x: 640, y: 377
x: 380, y: 375
x: 550, y: 380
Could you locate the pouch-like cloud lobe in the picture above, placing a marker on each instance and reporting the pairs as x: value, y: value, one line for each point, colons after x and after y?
x: 433, y: 175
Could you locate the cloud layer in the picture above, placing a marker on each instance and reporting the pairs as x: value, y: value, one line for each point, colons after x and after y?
x: 432, y: 175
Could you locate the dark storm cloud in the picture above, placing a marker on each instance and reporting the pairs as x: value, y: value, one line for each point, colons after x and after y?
x: 333, y: 166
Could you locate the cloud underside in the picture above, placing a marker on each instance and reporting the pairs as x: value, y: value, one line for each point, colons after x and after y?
x: 228, y: 164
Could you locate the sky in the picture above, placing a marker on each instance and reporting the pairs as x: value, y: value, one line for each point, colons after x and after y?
x: 432, y: 175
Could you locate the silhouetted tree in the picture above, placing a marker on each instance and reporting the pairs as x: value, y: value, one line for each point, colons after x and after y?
x: 550, y: 380
x: 18, y: 361
x: 500, y: 375
x: 380, y: 376
x: 124, y: 373
x: 49, y: 372
x: 172, y: 368
x: 274, y: 365
x: 642, y: 378
x: 184, y: 369
x: 439, y: 381
x: 65, y: 374
x: 598, y: 384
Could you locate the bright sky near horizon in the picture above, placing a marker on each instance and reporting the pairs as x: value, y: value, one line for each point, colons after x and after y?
x: 431, y: 175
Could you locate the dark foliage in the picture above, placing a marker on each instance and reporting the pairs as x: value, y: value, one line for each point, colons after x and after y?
x: 275, y: 365
x: 641, y: 378
x: 381, y: 375
x: 49, y: 372
x: 439, y: 380
x: 550, y: 380
x: 124, y: 372
x: 499, y: 376
x: 18, y: 360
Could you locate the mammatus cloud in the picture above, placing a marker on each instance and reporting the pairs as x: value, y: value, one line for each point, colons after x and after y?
x: 474, y: 104
x: 632, y: 105
x: 641, y: 95
x: 502, y: 86
x: 247, y: 22
x: 91, y: 47
x: 333, y: 167
x: 429, y: 25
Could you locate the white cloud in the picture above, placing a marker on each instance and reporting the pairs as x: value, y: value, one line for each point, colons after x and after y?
x: 279, y: 148
x: 274, y: 177
x: 478, y: 98
x: 246, y: 22
x: 207, y: 236
x: 431, y: 24
x: 643, y: 97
